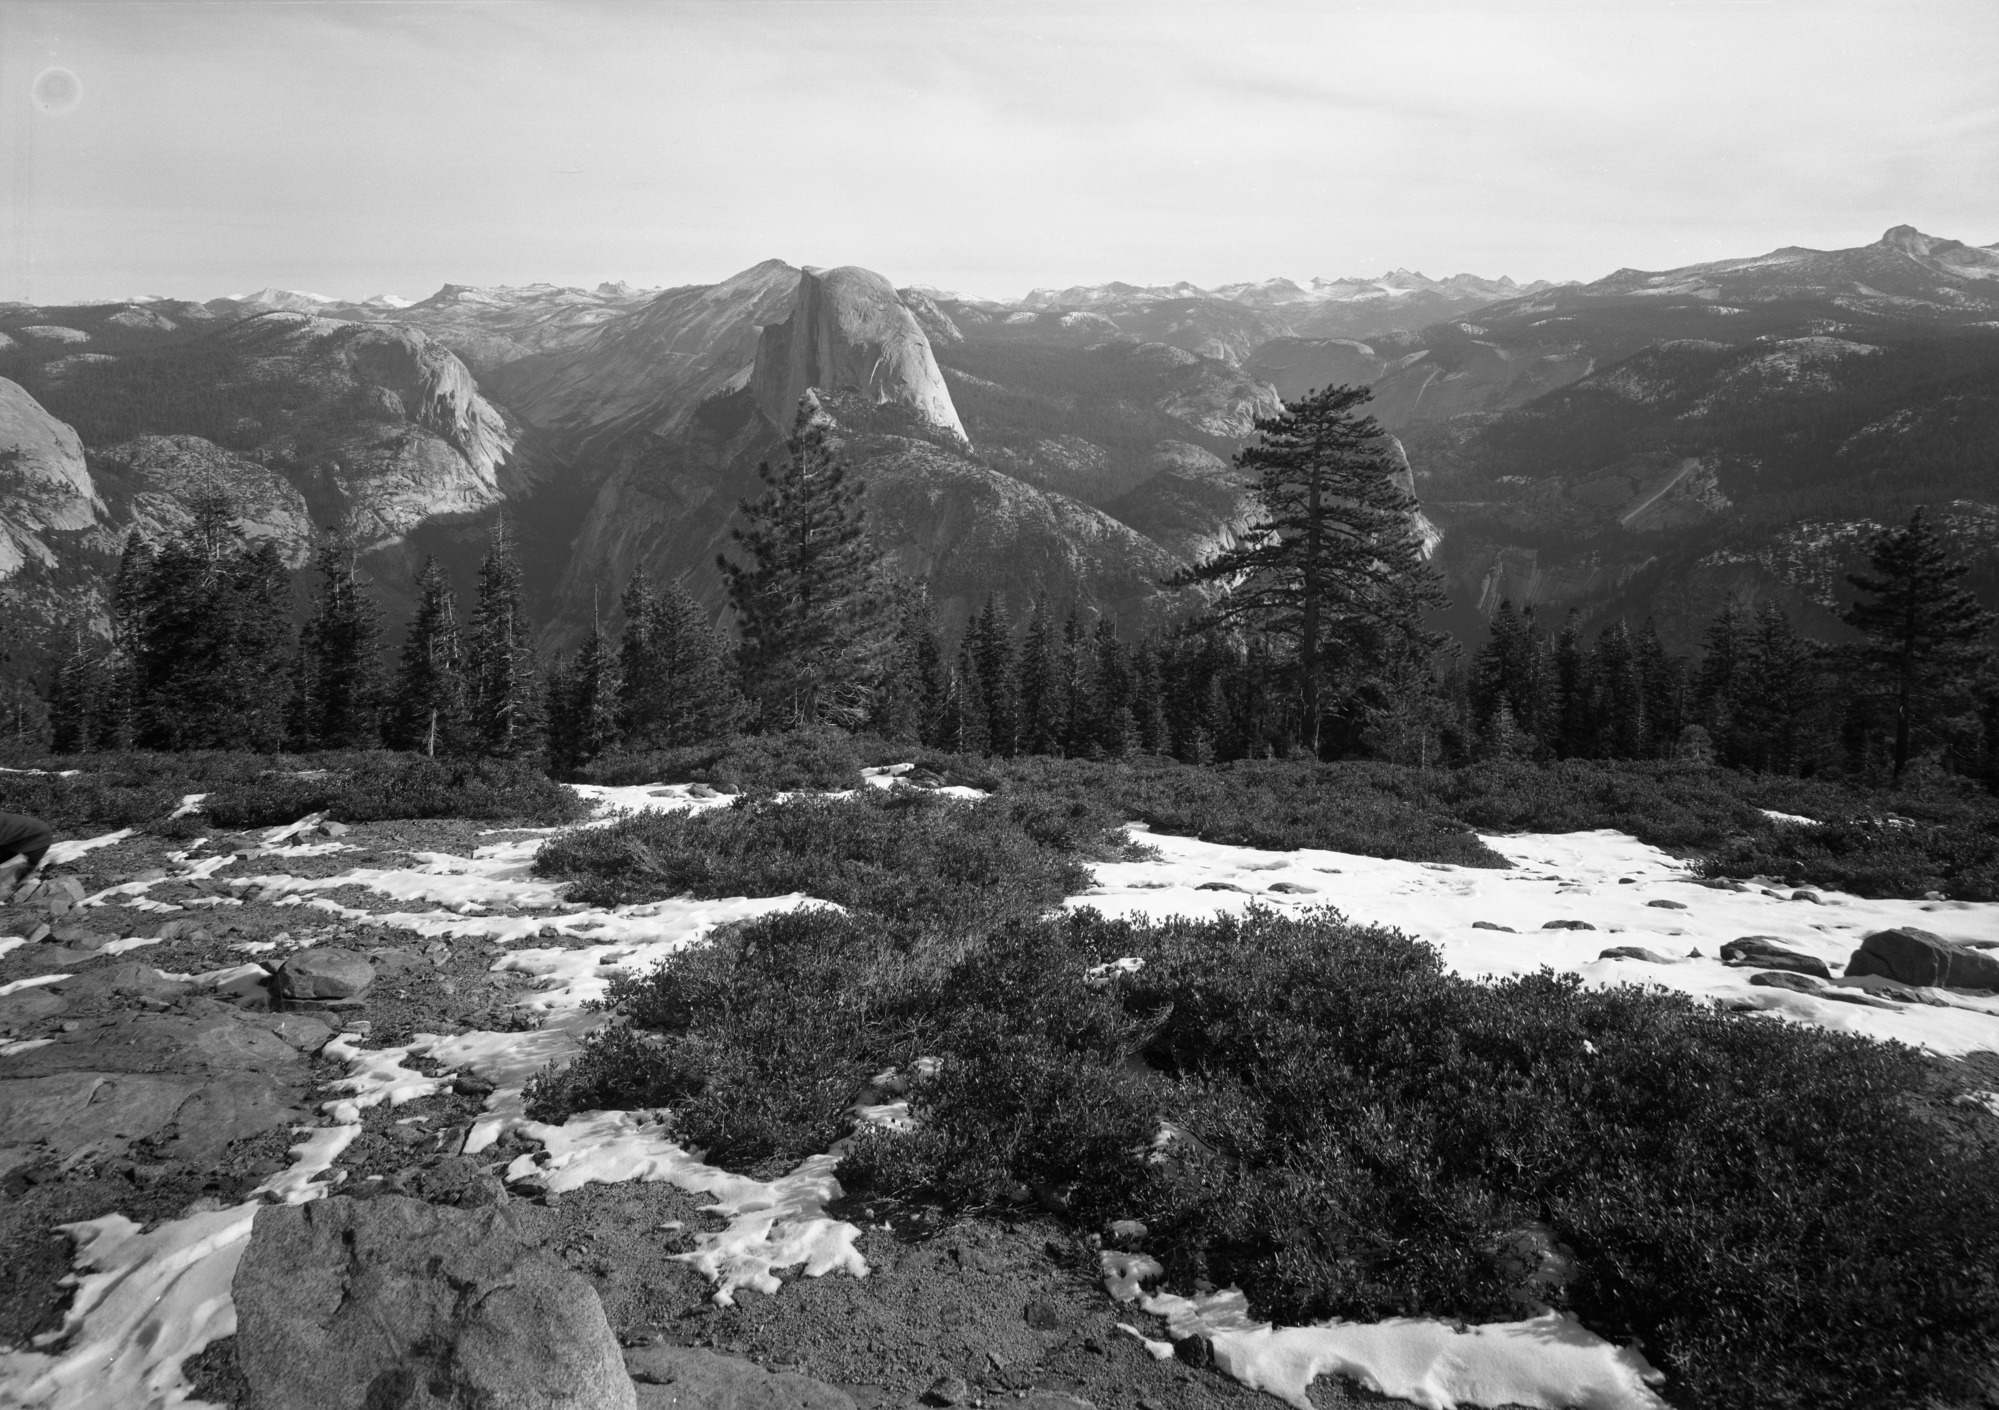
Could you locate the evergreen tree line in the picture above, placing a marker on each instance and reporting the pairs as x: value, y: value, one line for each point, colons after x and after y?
x: 1312, y: 641
x: 1920, y: 683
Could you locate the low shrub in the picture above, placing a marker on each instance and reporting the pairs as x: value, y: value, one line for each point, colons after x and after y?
x: 1881, y: 857
x: 398, y: 786
x: 898, y: 853
x: 1277, y: 804
x: 1774, y: 1210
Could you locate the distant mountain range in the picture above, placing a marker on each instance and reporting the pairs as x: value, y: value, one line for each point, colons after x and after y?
x: 1643, y: 444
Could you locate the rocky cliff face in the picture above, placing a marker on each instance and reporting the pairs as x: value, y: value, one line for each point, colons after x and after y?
x: 647, y: 372
x: 45, y: 486
x: 847, y: 331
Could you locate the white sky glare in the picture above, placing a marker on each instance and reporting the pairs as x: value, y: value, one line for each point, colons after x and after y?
x: 391, y: 145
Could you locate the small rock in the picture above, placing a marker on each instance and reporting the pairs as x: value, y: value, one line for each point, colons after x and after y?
x: 1664, y: 905
x: 1293, y: 888
x: 1635, y: 952
x: 1218, y: 886
x: 1493, y: 925
x: 468, y: 1085
x: 1567, y: 925
x: 1807, y: 895
x: 1194, y: 1351
x: 1764, y: 952
x: 1042, y: 1316
x: 947, y: 1390
x: 1787, y: 979
x: 485, y: 1191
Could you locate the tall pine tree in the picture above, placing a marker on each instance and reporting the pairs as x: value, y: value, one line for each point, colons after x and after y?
x: 427, y: 706
x: 341, y: 686
x: 503, y: 706
x: 1335, y: 561
x: 1927, y: 636
x: 809, y: 600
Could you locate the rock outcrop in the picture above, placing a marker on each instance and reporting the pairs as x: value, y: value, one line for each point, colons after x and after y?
x: 45, y: 486
x: 848, y: 332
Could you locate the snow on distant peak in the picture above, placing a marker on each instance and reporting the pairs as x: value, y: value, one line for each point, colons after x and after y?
x: 387, y: 301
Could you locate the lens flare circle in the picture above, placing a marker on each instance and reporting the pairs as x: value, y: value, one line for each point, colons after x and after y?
x: 57, y: 90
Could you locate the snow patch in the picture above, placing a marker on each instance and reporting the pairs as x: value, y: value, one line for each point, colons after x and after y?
x: 1603, y: 878
x: 144, y: 1303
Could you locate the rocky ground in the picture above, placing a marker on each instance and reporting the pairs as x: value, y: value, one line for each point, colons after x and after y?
x: 188, y: 1043
x: 262, y: 1137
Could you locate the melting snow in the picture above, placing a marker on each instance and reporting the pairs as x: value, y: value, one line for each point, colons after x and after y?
x: 1549, y: 1361
x: 144, y: 1303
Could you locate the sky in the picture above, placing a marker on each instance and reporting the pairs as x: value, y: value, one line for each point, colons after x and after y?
x: 350, y: 149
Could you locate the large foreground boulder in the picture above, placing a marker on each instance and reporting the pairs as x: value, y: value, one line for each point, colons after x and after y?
x: 1913, y: 956
x: 394, y: 1304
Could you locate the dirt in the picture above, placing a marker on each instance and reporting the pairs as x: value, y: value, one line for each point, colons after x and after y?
x: 1010, y: 1307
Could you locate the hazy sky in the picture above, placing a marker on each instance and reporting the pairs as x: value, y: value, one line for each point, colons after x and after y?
x: 385, y: 145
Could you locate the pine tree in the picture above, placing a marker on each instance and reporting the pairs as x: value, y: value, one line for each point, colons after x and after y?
x: 1663, y: 679
x: 964, y: 718
x: 1113, y: 731
x: 909, y: 702
x: 1777, y: 697
x: 1041, y: 683
x: 990, y: 639
x: 809, y: 603
x: 1076, y: 687
x: 1575, y: 725
x: 427, y: 708
x: 1336, y: 551
x: 583, y: 704
x: 673, y: 671
x: 341, y: 684
x: 209, y: 620
x: 1927, y: 637
x: 1618, y: 695
x: 503, y: 706
x: 1724, y: 654
x: 1148, y: 685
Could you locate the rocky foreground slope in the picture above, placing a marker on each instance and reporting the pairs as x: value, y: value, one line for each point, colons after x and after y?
x: 263, y: 1093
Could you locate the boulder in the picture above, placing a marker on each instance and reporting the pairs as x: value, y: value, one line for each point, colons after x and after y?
x: 1919, y: 957
x: 691, y: 1378
x: 345, y: 1304
x: 324, y: 973
x: 1665, y: 905
x: 1763, y: 952
x: 1567, y: 925
x: 1493, y: 925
